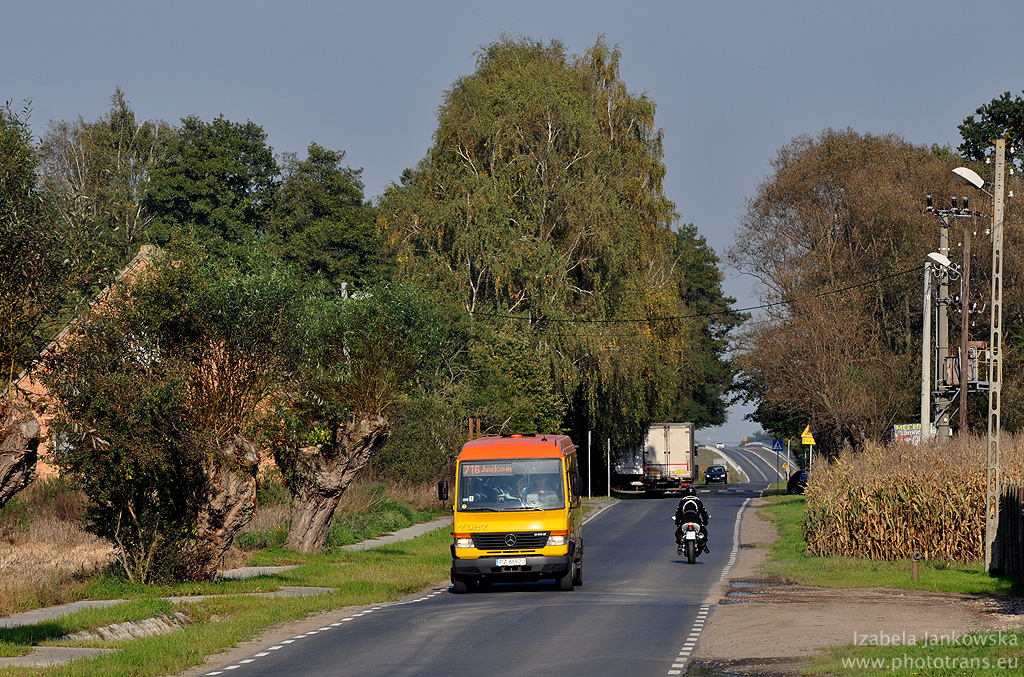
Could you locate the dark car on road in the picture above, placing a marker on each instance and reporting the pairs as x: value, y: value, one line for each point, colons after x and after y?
x: 797, y: 482
x: 716, y: 473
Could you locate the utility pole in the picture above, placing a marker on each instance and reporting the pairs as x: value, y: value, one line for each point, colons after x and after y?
x: 965, y: 312
x: 942, y: 344
x: 995, y: 365
x: 926, y: 356
x: 590, y: 465
x: 944, y: 386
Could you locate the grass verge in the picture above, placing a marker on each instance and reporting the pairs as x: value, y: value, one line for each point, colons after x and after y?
x: 383, y: 574
x: 374, y: 576
x: 974, y: 654
x: 788, y: 560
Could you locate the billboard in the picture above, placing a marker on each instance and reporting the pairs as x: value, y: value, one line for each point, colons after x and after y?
x: 910, y: 433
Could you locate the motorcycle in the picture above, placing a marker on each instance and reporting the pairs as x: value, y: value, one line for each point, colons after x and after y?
x: 691, y: 538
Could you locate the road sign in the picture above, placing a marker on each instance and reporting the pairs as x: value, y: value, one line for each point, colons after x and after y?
x: 776, y: 445
x: 806, y: 437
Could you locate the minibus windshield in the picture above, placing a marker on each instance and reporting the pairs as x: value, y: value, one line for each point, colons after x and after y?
x: 503, y: 485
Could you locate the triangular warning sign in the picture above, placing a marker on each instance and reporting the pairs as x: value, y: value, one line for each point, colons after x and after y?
x: 806, y: 437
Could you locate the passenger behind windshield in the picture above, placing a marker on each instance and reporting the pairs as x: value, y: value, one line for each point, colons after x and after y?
x: 508, y: 491
x: 542, y: 491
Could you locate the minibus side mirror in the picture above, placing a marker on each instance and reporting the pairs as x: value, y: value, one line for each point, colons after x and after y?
x: 442, y: 490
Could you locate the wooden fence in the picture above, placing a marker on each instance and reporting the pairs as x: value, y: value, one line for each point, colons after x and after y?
x: 1008, y: 550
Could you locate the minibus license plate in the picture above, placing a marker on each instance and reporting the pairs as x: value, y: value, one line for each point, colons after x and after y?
x: 510, y: 562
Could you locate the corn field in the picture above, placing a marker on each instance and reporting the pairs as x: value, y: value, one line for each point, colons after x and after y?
x: 889, y: 501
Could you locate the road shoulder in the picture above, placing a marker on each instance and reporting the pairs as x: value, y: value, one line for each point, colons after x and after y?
x: 761, y: 626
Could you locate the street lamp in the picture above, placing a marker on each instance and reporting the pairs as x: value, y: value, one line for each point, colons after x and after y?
x: 969, y: 177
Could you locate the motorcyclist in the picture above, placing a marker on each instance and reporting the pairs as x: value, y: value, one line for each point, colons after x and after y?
x: 691, y: 509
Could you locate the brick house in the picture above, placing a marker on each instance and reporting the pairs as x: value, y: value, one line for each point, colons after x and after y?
x: 29, y: 389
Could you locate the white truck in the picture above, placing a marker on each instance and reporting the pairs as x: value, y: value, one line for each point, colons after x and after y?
x: 669, y: 459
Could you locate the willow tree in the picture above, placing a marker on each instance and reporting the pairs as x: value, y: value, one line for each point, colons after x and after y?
x: 34, y: 279
x: 836, y: 236
x: 540, y: 211
x: 357, y: 358
x: 160, y: 394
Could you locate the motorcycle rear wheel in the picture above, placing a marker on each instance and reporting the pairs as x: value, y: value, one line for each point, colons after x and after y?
x: 691, y: 552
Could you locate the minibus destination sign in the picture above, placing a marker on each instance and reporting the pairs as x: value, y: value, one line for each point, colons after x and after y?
x: 486, y: 469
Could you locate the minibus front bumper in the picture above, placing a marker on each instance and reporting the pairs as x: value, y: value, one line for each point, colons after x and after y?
x: 513, y: 567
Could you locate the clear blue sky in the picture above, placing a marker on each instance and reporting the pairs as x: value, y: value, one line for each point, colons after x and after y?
x: 734, y: 81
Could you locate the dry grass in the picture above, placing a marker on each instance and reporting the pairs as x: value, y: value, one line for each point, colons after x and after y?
x: 44, y: 550
x: 889, y: 501
x: 362, y: 497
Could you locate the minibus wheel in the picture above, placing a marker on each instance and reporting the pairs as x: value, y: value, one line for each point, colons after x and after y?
x: 566, y: 582
x: 459, y: 585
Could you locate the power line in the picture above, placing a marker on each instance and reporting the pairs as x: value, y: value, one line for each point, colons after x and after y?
x: 669, y: 318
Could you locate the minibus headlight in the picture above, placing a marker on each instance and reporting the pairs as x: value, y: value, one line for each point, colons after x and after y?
x: 557, y: 537
x: 463, y: 541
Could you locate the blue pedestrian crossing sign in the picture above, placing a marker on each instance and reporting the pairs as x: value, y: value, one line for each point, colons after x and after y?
x: 776, y: 445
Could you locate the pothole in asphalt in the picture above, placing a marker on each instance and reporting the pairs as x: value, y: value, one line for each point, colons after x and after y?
x: 763, y: 667
x: 709, y: 671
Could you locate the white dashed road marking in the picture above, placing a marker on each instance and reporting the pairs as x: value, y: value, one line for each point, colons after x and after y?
x: 312, y: 632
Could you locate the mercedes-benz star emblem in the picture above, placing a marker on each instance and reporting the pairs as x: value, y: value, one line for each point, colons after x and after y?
x: 510, y: 540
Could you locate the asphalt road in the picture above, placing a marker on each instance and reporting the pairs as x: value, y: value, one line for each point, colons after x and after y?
x: 761, y: 466
x: 639, y: 612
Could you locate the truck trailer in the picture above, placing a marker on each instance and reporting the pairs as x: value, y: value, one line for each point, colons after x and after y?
x: 669, y: 459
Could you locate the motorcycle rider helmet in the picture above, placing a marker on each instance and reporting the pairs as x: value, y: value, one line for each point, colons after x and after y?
x: 689, y: 491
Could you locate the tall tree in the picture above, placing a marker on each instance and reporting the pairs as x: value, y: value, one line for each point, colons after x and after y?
x: 704, y: 377
x: 96, y: 174
x: 1002, y: 117
x: 33, y: 247
x: 540, y: 211
x: 831, y: 237
x: 321, y: 222
x: 216, y: 182
x: 35, y: 277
